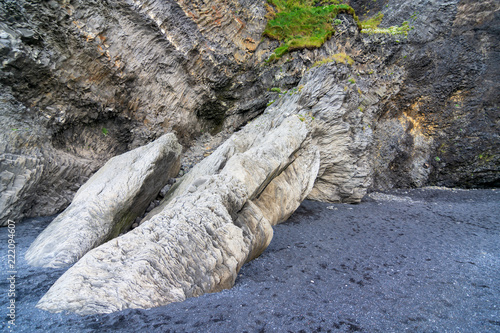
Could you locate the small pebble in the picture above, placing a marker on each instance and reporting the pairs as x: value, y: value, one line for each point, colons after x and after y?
x: 150, y: 207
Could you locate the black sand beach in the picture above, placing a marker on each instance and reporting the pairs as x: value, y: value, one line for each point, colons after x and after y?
x: 425, y: 260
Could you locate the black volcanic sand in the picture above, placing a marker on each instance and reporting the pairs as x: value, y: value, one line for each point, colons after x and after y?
x: 421, y: 261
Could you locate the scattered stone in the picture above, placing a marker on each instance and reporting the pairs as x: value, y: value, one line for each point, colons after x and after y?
x: 378, y: 196
x: 165, y: 189
x: 150, y: 207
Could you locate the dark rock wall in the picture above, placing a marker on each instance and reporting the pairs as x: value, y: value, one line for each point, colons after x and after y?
x: 449, y: 97
x: 92, y: 79
x: 82, y: 81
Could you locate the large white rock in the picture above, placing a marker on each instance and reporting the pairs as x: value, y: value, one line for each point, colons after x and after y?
x: 107, y: 203
x: 200, y: 240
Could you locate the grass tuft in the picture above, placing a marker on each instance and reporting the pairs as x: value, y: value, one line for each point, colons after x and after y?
x: 339, y: 58
x: 372, y: 23
x: 300, y: 24
x: 370, y: 26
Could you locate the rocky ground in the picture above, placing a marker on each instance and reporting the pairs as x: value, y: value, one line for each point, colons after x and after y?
x: 423, y: 260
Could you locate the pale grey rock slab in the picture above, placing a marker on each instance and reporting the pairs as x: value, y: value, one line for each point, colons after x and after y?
x: 201, y: 238
x: 107, y: 203
x: 257, y: 133
x: 190, y: 249
x: 281, y: 197
x: 286, y: 192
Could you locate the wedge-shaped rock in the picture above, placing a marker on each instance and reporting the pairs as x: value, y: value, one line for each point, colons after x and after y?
x: 200, y: 240
x: 108, y: 203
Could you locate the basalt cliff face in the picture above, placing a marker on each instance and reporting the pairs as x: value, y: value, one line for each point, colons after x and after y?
x: 82, y: 81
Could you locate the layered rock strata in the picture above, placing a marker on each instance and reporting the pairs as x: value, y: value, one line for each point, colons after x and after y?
x: 93, y: 79
x: 405, y: 112
x: 83, y: 81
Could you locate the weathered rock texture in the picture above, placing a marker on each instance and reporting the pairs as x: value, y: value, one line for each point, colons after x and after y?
x: 200, y: 240
x: 108, y: 203
x: 210, y: 225
x: 406, y: 112
x: 82, y: 81
x: 35, y: 178
x: 443, y: 126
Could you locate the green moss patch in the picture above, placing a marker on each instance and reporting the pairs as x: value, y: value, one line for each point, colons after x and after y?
x: 370, y: 26
x: 339, y: 58
x: 300, y: 24
x: 373, y: 22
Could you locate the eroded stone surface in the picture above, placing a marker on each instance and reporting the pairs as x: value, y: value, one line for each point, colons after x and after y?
x: 108, y: 203
x: 407, y: 112
x: 200, y: 240
x: 94, y: 79
x: 87, y: 80
x: 18, y: 174
x: 274, y: 161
